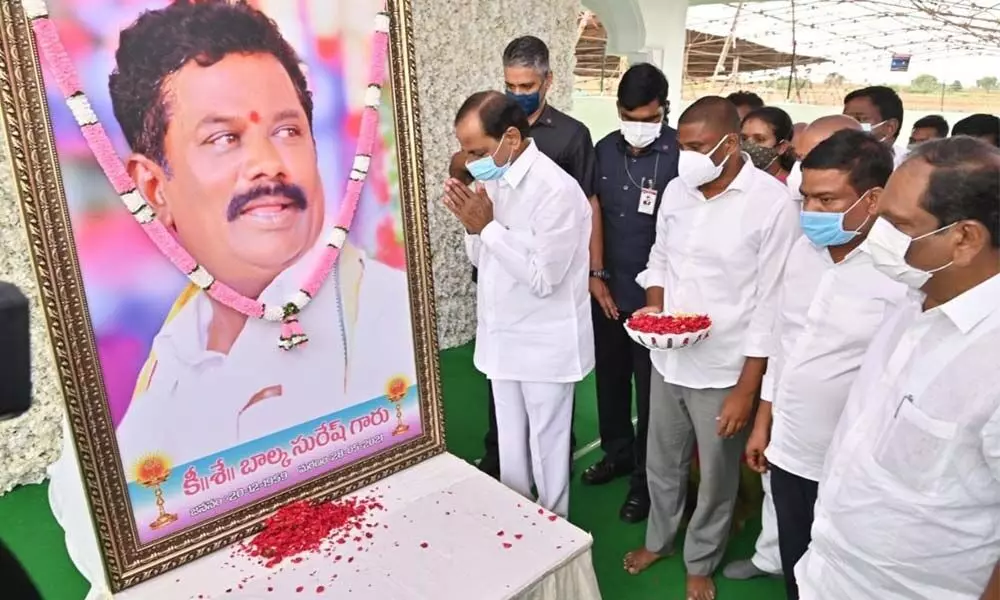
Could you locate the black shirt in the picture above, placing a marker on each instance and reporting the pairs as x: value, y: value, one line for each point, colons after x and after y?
x: 567, y: 142
x: 628, y: 233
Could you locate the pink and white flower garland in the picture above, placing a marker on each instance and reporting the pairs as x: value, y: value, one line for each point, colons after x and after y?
x: 54, y: 54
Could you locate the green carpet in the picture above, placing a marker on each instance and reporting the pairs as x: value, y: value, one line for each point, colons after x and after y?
x: 28, y: 528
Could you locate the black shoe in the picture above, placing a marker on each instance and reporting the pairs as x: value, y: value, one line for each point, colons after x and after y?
x: 490, y: 465
x: 635, y: 509
x: 604, y: 471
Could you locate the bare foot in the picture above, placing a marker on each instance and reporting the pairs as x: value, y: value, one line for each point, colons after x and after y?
x: 639, y: 560
x: 700, y: 587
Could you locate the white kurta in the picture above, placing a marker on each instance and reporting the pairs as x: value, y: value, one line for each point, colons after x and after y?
x: 198, y: 401
x: 535, y: 337
x: 827, y: 316
x: 533, y: 297
x: 909, y: 500
x: 724, y: 257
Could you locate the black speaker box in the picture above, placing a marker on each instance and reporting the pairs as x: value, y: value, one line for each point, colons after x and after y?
x: 15, y: 352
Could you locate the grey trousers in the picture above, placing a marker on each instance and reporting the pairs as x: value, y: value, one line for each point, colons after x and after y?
x: 679, y: 417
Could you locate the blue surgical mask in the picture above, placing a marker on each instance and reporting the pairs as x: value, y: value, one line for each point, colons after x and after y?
x: 827, y: 229
x: 529, y: 102
x: 486, y: 168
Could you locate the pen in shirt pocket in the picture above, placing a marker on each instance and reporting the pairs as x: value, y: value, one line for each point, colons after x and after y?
x: 906, y: 398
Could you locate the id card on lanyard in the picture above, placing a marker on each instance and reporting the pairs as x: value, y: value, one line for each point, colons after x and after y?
x: 647, y: 193
x: 647, y: 200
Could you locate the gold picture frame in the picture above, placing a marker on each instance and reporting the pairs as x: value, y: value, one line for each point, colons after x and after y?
x: 35, y: 165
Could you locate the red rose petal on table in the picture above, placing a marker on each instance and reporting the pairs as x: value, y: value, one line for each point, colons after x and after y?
x: 423, y: 544
x: 553, y: 517
x: 299, y: 589
x: 507, y: 545
x: 320, y: 589
x: 518, y: 536
x: 500, y: 533
x: 270, y: 589
x: 541, y: 512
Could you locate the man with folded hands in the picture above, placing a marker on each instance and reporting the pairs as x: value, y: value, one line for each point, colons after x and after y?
x: 528, y: 231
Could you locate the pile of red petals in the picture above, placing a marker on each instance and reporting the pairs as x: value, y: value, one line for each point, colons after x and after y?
x: 303, y: 526
x: 669, y: 324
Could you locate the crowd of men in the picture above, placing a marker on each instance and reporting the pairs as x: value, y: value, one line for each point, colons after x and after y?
x: 852, y: 281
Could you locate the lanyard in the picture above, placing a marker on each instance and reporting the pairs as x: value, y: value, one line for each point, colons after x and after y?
x: 656, y: 169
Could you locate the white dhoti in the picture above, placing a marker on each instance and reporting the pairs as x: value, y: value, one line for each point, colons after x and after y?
x: 534, y: 421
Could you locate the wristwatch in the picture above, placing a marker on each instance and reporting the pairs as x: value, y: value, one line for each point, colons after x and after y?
x: 601, y: 274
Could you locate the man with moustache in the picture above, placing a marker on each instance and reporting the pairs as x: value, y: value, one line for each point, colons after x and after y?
x: 213, y: 102
x: 723, y: 232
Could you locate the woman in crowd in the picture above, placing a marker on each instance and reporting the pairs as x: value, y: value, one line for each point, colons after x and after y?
x: 766, y: 135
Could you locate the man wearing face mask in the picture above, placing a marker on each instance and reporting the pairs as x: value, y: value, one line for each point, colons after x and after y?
x: 634, y: 166
x: 528, y: 226
x: 809, y: 138
x: 880, y: 111
x: 832, y: 301
x: 527, y: 79
x: 909, y: 501
x: 766, y: 558
x: 724, y: 230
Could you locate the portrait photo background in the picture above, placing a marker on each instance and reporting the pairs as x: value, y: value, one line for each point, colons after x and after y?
x: 130, y: 286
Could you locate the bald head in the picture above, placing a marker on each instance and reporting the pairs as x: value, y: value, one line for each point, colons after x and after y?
x: 820, y: 130
x: 717, y: 113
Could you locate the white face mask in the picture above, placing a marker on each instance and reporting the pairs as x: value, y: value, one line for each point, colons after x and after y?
x: 794, y: 181
x: 887, y: 246
x: 639, y: 134
x: 696, y: 169
x: 868, y: 128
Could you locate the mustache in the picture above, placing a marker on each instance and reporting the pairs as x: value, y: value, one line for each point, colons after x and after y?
x: 289, y: 191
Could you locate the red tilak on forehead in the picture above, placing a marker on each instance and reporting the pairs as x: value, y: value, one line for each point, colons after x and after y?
x: 254, y: 116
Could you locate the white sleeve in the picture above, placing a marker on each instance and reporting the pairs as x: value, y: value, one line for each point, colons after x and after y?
x: 991, y: 443
x: 473, y: 244
x: 779, y: 235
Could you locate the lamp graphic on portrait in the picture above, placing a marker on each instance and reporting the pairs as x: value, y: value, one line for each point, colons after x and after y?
x: 395, y: 391
x: 152, y: 471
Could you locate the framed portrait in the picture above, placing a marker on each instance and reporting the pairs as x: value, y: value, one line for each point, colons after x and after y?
x: 224, y: 204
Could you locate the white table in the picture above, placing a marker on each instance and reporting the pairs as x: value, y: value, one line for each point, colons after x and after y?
x: 437, y: 539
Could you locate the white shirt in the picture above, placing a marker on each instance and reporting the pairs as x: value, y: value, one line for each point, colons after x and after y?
x: 722, y: 257
x: 899, y: 154
x: 909, y: 503
x: 533, y: 299
x: 828, y: 314
x: 198, y: 401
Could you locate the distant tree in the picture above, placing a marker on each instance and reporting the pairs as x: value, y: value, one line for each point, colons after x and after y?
x: 988, y: 84
x: 925, y: 84
x: 956, y: 86
x: 835, y: 80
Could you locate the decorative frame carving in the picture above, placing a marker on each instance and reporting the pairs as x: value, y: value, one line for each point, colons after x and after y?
x: 29, y: 135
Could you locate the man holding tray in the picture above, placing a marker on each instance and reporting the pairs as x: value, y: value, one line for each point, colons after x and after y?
x: 221, y: 135
x: 832, y: 303
x: 724, y: 230
x: 528, y: 225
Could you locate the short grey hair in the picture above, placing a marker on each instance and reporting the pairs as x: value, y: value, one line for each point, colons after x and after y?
x: 527, y: 51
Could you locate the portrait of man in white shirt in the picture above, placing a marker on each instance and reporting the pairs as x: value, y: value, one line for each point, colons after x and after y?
x: 909, y: 495
x: 724, y: 229
x: 528, y: 227
x: 220, y: 129
x: 832, y: 301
